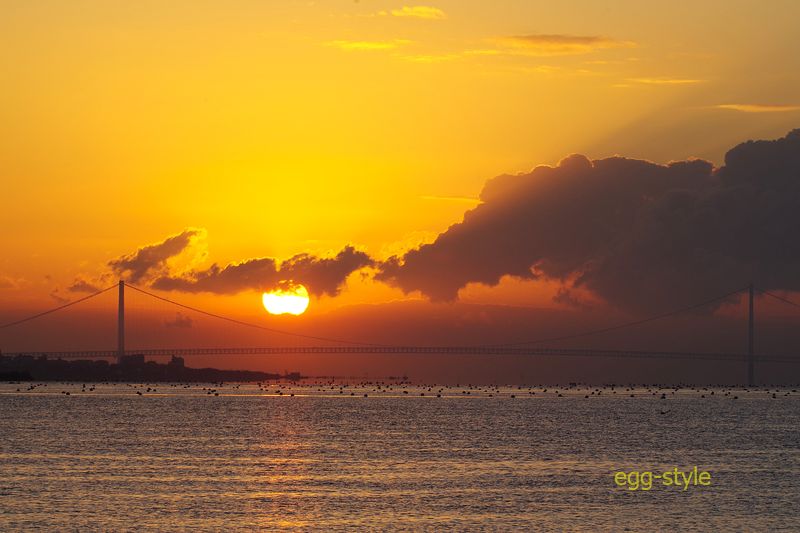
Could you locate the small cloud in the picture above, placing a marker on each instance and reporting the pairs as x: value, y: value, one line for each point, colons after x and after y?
x: 419, y: 12
x: 369, y: 45
x: 483, y: 52
x: 557, y: 44
x: 665, y: 81
x: 8, y: 283
x: 153, y: 260
x: 603, y: 62
x: 82, y: 285
x: 181, y: 321
x: 539, y: 45
x: 431, y: 58
x: 57, y: 297
x: 550, y: 69
x: 759, y: 108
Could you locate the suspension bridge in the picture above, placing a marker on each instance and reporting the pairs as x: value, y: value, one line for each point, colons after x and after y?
x: 343, y: 346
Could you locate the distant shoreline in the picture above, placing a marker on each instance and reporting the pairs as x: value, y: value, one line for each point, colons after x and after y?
x: 131, y: 369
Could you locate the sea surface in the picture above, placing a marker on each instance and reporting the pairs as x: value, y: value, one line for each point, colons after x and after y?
x: 327, y: 457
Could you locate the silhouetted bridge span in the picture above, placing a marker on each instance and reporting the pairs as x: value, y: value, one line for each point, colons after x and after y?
x: 432, y: 350
x: 328, y: 345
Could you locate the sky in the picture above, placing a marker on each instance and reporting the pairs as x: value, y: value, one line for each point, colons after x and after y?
x: 383, y: 153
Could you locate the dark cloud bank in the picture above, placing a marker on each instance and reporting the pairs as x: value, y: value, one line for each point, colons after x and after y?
x: 149, y: 265
x: 642, y: 236
x: 319, y: 275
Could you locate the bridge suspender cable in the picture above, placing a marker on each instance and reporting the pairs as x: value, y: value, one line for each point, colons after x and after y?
x: 59, y: 308
x: 249, y: 324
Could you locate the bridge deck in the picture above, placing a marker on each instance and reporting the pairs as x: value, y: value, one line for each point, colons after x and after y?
x: 433, y: 350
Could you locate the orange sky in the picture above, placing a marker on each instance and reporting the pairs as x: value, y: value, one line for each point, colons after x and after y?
x: 279, y: 128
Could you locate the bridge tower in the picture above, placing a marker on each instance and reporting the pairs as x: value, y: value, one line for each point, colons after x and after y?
x: 121, y: 323
x: 751, y: 381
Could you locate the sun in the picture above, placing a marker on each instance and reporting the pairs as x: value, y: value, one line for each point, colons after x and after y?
x: 291, y: 299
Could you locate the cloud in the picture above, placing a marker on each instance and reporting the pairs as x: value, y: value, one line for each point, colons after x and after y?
x: 639, y: 235
x: 368, y: 45
x: 566, y: 296
x: 252, y: 274
x: 759, y: 108
x: 537, y: 45
x: 83, y: 285
x: 557, y: 44
x: 54, y: 294
x: 320, y: 275
x: 431, y: 58
x: 180, y: 321
x: 151, y: 260
x: 664, y: 81
x: 8, y: 283
x: 419, y: 12
x: 324, y: 275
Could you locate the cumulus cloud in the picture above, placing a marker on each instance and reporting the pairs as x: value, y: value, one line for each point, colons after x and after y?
x: 639, y: 235
x: 320, y: 275
x: 151, y: 260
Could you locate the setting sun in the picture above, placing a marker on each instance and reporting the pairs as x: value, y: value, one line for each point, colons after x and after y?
x: 292, y: 300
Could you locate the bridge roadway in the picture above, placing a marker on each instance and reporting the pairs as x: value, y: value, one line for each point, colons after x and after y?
x: 433, y: 350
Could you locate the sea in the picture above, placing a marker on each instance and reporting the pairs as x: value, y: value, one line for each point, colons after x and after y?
x: 332, y: 456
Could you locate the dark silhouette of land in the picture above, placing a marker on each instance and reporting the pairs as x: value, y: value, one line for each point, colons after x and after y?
x: 132, y: 368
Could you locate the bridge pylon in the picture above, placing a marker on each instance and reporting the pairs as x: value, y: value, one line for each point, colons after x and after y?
x: 751, y: 380
x: 121, y: 322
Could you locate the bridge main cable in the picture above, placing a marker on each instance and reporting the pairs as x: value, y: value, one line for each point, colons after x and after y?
x: 779, y: 298
x: 59, y: 308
